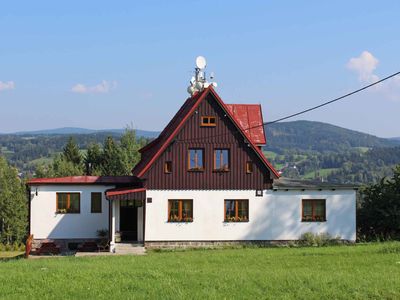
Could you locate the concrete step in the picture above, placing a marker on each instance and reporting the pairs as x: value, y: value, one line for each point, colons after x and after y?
x: 125, y: 248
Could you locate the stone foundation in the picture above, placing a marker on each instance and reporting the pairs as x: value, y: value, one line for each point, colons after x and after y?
x: 211, y: 244
x: 222, y: 244
x: 65, y: 245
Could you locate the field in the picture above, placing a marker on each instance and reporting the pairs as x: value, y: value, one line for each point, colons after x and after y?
x: 345, y: 272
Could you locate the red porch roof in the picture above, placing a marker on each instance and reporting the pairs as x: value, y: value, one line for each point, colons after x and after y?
x: 126, y: 194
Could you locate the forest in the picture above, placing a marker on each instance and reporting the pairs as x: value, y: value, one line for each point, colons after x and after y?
x: 299, y: 149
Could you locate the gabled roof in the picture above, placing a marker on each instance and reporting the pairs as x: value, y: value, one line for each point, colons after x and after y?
x: 153, y: 151
x: 106, y: 180
x: 249, y: 117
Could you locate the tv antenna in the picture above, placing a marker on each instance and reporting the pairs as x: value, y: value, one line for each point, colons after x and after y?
x: 199, y: 82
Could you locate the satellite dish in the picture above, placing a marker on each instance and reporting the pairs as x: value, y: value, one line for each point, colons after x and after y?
x: 201, y: 62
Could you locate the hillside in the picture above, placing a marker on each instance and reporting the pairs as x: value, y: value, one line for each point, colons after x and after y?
x: 78, y: 130
x: 321, y: 137
x: 300, y: 149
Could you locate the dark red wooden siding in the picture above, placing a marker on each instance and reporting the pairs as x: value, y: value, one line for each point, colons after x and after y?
x: 192, y: 135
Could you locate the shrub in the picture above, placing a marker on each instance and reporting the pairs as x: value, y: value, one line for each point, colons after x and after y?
x: 310, y: 239
x: 102, y: 233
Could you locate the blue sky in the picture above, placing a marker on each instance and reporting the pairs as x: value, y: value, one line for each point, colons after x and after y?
x: 107, y: 64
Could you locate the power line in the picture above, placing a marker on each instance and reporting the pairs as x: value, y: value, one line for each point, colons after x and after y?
x: 331, y: 101
x: 306, y: 110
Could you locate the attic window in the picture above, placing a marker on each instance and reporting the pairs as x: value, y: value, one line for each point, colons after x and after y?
x: 249, y: 167
x: 195, y: 160
x: 208, y: 121
x: 221, y: 160
x: 168, y: 167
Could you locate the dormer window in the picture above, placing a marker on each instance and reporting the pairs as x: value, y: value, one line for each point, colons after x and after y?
x: 208, y: 121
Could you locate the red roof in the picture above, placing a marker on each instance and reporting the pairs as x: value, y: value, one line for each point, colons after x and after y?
x: 151, y: 152
x: 110, y: 180
x: 249, y: 117
x: 124, y: 191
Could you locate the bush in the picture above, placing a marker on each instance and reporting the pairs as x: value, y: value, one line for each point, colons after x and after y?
x: 12, y: 247
x: 310, y: 239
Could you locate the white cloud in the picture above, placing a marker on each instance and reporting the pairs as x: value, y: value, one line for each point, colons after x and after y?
x: 364, y: 66
x: 9, y: 85
x: 101, y: 88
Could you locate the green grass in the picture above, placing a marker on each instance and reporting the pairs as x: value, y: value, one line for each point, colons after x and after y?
x: 42, y: 160
x: 270, y: 154
x: 322, y: 172
x: 362, y: 149
x: 347, y: 272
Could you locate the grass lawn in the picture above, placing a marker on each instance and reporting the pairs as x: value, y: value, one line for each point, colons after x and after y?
x: 322, y: 172
x: 349, y: 272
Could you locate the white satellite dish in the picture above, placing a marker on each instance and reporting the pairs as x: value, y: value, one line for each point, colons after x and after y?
x: 201, y: 62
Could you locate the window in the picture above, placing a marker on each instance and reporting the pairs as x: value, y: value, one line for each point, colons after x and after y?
x: 95, y: 205
x: 249, y: 167
x: 168, y: 167
x: 313, y: 211
x: 68, y: 203
x: 196, y: 162
x: 221, y: 160
x: 180, y: 210
x: 208, y: 121
x: 236, y: 211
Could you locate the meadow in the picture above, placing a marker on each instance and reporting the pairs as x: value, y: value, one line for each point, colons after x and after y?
x: 367, y: 271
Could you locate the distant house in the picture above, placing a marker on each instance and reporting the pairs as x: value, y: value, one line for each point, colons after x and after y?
x: 204, y: 180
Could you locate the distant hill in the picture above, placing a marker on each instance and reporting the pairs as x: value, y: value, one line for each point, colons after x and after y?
x: 77, y: 130
x: 318, y: 136
x: 396, y: 139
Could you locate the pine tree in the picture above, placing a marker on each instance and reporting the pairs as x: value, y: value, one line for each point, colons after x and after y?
x: 71, y: 152
x: 13, y: 205
x: 93, y: 160
x: 130, y: 150
x: 113, y: 161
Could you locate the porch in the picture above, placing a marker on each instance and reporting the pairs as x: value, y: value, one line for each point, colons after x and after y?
x: 126, y: 219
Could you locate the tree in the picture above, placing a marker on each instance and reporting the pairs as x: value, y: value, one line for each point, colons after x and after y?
x: 379, y: 209
x: 60, y: 167
x: 13, y: 205
x: 130, y: 150
x: 112, y: 164
x: 93, y: 160
x: 71, y: 152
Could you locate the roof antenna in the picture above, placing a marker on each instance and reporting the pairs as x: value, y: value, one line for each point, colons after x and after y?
x: 199, y: 82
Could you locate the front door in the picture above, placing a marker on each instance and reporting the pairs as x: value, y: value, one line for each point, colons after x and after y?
x: 128, y: 220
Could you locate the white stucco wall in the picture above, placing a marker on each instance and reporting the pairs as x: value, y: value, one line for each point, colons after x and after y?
x: 275, y: 216
x: 46, y: 223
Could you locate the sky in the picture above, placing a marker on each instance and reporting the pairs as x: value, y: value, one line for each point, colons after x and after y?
x: 110, y: 64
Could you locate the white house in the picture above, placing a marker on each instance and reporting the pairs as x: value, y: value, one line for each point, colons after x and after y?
x: 203, y: 180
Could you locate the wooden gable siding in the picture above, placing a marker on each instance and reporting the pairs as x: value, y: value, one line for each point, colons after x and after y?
x: 223, y: 135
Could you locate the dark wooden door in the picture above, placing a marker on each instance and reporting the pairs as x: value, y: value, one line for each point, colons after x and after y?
x: 128, y: 223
